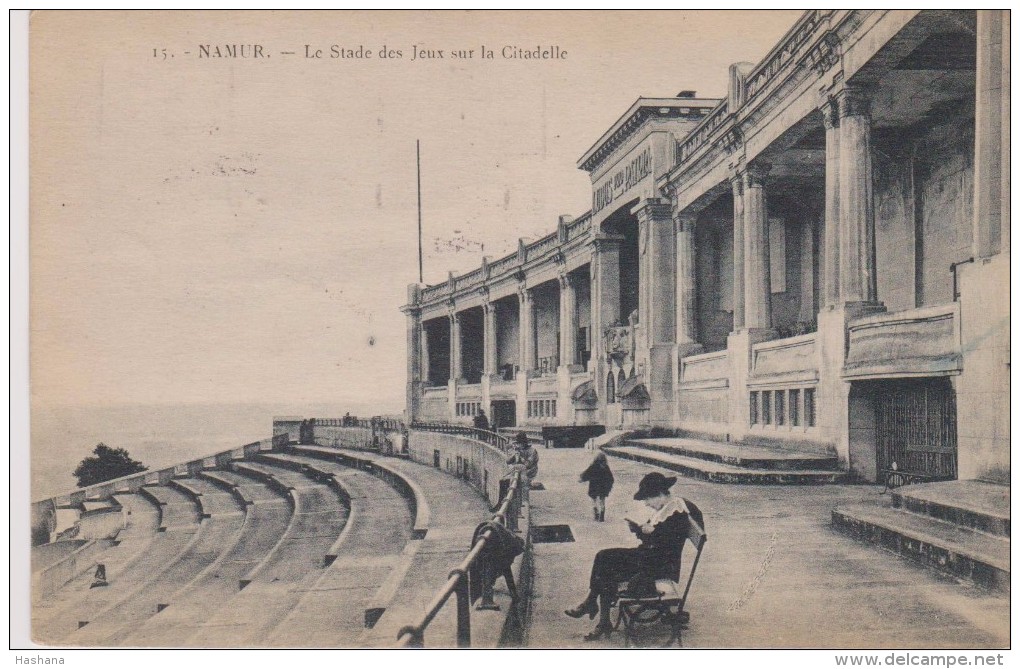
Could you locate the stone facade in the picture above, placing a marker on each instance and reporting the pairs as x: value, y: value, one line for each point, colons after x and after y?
x: 769, y: 267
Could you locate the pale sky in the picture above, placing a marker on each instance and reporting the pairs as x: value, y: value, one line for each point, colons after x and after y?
x: 245, y: 230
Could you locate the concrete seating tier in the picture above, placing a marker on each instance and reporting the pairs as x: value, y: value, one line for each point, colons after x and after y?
x: 249, y: 490
x: 720, y: 462
x: 177, y: 508
x: 959, y: 528
x: 129, y: 565
x: 74, y: 571
x: 308, y: 547
x: 268, y: 514
x: 374, y: 550
x: 442, y: 548
x: 272, y: 589
x: 212, y: 500
x: 220, y: 529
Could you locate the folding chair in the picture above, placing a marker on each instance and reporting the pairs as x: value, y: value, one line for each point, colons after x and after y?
x: 669, y: 605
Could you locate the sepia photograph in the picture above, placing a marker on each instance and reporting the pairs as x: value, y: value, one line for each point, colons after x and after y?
x: 521, y: 330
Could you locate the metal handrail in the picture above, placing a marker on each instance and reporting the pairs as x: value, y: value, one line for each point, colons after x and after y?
x: 413, y: 636
x: 489, y: 437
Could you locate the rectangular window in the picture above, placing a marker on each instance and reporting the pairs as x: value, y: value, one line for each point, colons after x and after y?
x: 780, y: 407
x: 754, y: 407
x: 766, y: 407
x: 554, y: 408
x: 795, y: 407
x: 809, y: 407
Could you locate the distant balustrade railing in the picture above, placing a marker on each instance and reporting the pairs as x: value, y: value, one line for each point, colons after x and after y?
x: 489, y: 437
x: 473, y: 577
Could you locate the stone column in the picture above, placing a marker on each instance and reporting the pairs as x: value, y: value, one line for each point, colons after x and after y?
x: 527, y: 330
x: 414, y: 356
x: 686, y: 285
x: 605, y: 283
x: 426, y: 369
x: 568, y: 321
x: 737, y: 183
x: 856, y: 201
x: 655, y: 217
x: 830, y: 283
x: 454, y: 346
x: 605, y: 305
x: 757, y: 283
x: 489, y: 334
x: 451, y: 384
x: 991, y: 134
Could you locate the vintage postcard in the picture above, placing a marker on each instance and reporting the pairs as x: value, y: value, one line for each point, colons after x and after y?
x: 465, y: 329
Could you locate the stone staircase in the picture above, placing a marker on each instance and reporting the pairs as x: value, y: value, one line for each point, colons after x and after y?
x: 961, y: 528
x: 723, y: 462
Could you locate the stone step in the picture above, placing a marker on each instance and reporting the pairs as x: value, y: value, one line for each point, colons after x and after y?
x: 972, y: 504
x: 738, y: 455
x: 975, y: 556
x: 719, y: 472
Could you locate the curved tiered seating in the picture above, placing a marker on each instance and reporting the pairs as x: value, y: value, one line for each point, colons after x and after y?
x: 443, y: 547
x: 155, y: 534
x: 370, y: 552
x: 268, y: 514
x: 274, y: 586
x: 221, y: 521
x: 73, y: 572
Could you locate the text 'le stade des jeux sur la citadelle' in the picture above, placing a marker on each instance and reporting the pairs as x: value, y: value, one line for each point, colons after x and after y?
x: 337, y: 52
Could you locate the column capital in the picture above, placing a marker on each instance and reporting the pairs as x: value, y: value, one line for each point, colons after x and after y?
x: 853, y: 101
x: 830, y: 113
x: 736, y: 179
x: 755, y: 174
x: 684, y: 220
x: 604, y: 241
x: 652, y: 209
x: 523, y: 292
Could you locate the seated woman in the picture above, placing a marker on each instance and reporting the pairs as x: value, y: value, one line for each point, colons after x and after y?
x: 658, y: 556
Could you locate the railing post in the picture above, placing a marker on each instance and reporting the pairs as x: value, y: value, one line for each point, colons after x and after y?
x: 513, y: 508
x: 488, y: 580
x: 463, y: 612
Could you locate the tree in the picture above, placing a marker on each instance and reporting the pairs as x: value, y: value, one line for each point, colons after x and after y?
x: 104, y: 464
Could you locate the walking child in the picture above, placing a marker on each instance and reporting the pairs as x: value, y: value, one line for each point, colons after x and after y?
x: 600, y: 483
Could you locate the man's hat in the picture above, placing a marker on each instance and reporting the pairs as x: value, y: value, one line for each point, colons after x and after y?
x: 522, y: 438
x: 654, y: 484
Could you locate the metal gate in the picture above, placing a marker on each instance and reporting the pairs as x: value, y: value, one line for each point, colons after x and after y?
x: 916, y: 427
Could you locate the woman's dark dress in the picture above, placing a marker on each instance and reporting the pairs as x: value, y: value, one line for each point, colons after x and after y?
x: 658, y: 556
x: 600, y: 480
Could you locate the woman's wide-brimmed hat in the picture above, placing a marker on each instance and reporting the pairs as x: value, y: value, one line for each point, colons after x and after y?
x: 654, y: 484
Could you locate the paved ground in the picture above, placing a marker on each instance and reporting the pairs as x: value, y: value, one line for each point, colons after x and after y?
x: 773, y: 574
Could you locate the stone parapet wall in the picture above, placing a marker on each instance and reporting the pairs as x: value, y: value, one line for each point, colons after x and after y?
x: 44, y: 511
x: 479, y: 464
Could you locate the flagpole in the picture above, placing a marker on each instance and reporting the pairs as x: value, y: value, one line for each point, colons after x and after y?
x: 421, y: 273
